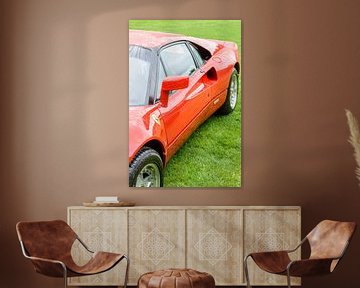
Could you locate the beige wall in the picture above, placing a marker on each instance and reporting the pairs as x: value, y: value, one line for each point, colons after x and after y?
x: 63, y: 113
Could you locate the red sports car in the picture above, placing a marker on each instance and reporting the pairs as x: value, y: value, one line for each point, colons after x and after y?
x: 175, y: 84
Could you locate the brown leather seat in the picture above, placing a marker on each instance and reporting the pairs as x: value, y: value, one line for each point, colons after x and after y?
x: 176, y: 278
x: 48, y: 245
x: 328, y: 242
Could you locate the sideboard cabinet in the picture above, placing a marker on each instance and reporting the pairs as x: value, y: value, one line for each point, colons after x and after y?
x: 212, y: 239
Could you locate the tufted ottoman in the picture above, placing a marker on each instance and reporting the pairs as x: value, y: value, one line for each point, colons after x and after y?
x: 176, y: 278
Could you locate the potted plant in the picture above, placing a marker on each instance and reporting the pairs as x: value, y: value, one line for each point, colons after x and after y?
x: 354, y: 140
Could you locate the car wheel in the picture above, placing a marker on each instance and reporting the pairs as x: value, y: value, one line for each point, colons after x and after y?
x: 232, y: 95
x: 146, y: 170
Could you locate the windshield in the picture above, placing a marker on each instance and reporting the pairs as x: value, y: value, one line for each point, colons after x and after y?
x: 139, y: 75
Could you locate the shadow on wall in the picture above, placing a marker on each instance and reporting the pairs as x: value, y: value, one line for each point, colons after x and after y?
x: 69, y: 79
x: 63, y: 85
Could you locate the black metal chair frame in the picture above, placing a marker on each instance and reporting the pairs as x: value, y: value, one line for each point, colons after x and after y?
x: 64, y: 266
x: 246, y: 270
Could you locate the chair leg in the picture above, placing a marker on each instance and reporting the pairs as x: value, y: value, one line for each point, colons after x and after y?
x: 246, y: 270
x: 65, y: 276
x: 127, y: 270
x: 288, y: 279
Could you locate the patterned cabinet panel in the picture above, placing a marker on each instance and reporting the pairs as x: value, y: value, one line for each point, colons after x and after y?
x: 156, y: 240
x: 209, y: 239
x: 269, y: 230
x: 101, y: 230
x: 214, y: 244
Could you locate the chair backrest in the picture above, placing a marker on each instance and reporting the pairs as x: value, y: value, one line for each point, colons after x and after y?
x: 46, y: 239
x: 329, y: 239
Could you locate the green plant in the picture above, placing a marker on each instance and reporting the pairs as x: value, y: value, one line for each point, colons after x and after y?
x: 354, y: 140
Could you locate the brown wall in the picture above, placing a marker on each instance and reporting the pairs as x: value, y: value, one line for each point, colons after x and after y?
x: 63, y: 113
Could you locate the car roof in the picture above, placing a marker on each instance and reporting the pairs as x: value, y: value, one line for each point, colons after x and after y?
x: 152, y: 39
x: 155, y: 40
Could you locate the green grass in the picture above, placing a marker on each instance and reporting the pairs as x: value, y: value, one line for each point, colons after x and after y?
x: 212, y: 155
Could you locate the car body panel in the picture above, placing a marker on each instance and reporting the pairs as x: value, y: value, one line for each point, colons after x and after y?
x: 187, y: 108
x: 145, y: 126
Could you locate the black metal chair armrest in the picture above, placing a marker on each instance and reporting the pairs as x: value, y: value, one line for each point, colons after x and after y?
x: 298, y: 246
x: 84, y: 245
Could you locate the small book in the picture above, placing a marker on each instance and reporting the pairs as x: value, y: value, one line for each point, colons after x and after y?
x: 106, y: 199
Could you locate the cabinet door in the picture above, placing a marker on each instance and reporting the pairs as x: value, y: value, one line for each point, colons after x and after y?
x: 270, y: 230
x: 100, y: 230
x: 156, y: 240
x: 214, y: 244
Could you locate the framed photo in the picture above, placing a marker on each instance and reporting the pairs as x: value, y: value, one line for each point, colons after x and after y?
x: 184, y: 103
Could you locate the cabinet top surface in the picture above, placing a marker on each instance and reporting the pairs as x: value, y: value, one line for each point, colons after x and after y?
x: 193, y: 207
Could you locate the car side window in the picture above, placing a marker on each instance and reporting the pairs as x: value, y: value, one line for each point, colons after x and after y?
x: 177, y: 60
x: 196, y: 54
x: 161, y: 76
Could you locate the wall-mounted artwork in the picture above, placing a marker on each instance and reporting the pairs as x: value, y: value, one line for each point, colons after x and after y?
x: 184, y: 103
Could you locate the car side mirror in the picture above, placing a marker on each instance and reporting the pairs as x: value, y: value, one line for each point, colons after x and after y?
x: 172, y: 83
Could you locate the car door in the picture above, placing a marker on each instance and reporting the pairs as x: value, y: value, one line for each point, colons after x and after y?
x: 185, y: 106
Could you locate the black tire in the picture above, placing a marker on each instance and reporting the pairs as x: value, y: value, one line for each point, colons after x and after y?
x: 228, y: 105
x: 148, y: 163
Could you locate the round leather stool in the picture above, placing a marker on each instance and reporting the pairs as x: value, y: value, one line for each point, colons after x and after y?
x: 176, y: 278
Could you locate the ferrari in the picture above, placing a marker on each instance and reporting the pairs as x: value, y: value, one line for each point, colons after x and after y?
x: 175, y: 84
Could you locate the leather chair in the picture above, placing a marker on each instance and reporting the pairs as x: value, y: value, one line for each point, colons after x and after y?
x: 48, y: 245
x: 328, y: 242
